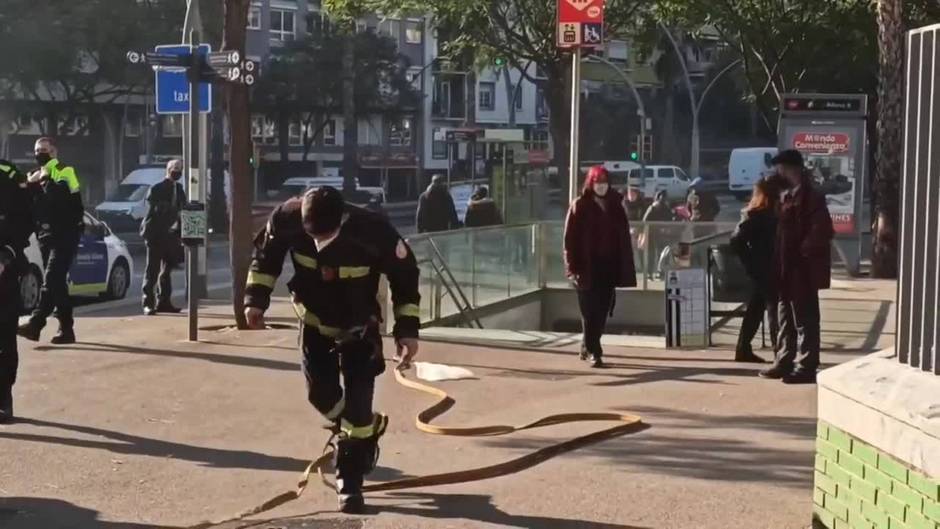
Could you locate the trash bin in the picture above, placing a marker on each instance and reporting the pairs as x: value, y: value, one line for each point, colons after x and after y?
x: 729, y: 280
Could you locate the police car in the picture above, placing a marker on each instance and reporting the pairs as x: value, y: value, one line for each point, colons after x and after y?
x: 102, y: 266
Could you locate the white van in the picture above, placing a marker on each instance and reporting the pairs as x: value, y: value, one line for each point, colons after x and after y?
x: 746, y: 167
x: 654, y: 178
x: 127, y: 205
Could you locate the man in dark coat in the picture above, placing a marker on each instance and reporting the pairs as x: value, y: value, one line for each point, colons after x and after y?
x: 482, y: 210
x: 161, y: 232
x: 801, y: 268
x: 436, y: 211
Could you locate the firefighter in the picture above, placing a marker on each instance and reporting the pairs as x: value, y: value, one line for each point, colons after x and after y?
x: 15, y: 228
x: 59, y: 225
x: 338, y: 252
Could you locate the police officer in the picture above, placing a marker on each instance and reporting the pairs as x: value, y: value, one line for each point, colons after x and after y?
x: 338, y: 252
x: 161, y: 232
x: 15, y: 228
x: 59, y: 225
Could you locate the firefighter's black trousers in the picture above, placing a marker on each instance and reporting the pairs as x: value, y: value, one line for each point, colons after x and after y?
x: 357, y: 359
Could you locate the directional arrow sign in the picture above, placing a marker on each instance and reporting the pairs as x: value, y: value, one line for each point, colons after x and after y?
x: 173, y: 87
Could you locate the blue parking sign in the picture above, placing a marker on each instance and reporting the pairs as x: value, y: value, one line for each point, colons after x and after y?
x: 172, y: 88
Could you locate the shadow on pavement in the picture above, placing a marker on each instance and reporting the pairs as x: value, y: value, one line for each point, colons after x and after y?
x: 730, y: 448
x: 244, y: 361
x: 121, y: 443
x: 47, y: 513
x: 479, y: 508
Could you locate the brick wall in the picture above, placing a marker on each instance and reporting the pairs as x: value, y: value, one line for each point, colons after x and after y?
x: 859, y: 487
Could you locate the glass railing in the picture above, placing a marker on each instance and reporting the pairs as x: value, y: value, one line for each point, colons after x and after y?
x: 496, y: 263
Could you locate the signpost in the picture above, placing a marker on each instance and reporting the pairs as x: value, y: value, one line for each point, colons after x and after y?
x: 580, y: 25
x: 183, y: 78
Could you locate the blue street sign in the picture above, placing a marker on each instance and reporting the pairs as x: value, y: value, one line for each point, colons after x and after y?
x: 172, y: 87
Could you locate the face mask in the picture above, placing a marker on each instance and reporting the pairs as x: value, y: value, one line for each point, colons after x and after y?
x: 600, y: 189
x: 176, y: 175
x: 43, y: 158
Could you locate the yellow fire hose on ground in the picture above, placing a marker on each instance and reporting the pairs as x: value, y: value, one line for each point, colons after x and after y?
x: 626, y: 424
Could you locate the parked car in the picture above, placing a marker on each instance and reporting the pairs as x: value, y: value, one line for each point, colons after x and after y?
x: 746, y: 167
x: 103, y: 266
x: 127, y: 205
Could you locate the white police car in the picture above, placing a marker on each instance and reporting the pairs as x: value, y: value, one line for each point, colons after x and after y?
x: 102, y: 266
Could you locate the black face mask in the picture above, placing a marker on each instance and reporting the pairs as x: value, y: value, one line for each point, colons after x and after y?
x: 43, y: 158
x: 176, y: 175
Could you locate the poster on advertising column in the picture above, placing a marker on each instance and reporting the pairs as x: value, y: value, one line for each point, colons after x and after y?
x: 829, y: 153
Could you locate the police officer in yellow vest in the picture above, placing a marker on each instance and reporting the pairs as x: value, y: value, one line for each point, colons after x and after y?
x: 15, y: 227
x: 339, y: 251
x: 59, y: 216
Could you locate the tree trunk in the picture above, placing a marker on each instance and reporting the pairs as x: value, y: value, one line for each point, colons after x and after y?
x: 556, y: 97
x: 350, y: 123
x: 888, y: 156
x: 233, y: 38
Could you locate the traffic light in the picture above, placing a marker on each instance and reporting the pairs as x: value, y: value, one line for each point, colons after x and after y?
x: 635, y: 149
x: 648, y: 147
x: 499, y: 61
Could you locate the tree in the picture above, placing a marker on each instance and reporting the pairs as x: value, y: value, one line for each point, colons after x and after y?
x: 890, y: 141
x: 798, y: 45
x: 517, y: 31
x: 239, y: 117
x: 304, y: 81
x: 70, y: 56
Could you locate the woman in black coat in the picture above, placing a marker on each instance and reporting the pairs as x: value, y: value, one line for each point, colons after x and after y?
x: 753, y: 241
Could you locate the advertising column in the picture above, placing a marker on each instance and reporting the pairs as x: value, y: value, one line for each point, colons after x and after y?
x: 830, y: 132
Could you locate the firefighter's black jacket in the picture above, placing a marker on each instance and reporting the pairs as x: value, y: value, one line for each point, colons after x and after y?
x: 335, y: 289
x: 16, y: 222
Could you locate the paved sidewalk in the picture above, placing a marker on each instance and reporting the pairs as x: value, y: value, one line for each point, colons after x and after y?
x: 134, y: 427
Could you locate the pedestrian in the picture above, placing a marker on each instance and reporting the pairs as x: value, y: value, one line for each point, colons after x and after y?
x: 753, y: 242
x: 160, y: 230
x: 633, y: 202
x: 801, y: 268
x: 339, y: 251
x: 703, y: 205
x: 598, y: 257
x: 59, y: 215
x: 436, y: 210
x: 482, y: 210
x: 656, y: 239
x: 15, y: 228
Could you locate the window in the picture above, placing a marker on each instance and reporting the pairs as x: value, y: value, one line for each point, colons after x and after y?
x: 400, y: 134
x: 282, y: 25
x: 439, y: 145
x: 254, y: 17
x: 413, y: 32
x: 681, y: 175
x: 133, y: 125
x: 295, y: 133
x: 667, y: 173
x: 329, y: 132
x: 172, y: 126
x: 487, y: 96
x: 263, y: 130
x: 392, y: 28
x: 74, y: 126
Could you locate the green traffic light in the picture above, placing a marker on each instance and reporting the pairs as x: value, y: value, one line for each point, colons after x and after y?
x: 500, y: 61
x: 634, y: 156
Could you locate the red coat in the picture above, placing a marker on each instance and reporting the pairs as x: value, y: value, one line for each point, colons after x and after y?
x: 585, y: 220
x: 803, y: 254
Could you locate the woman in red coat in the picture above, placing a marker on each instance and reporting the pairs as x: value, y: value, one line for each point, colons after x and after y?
x: 598, y: 256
